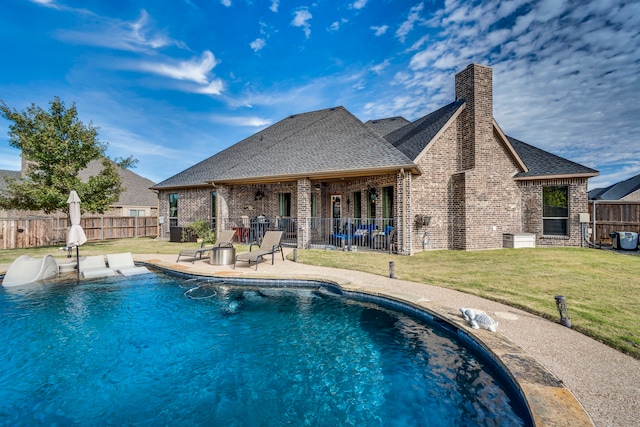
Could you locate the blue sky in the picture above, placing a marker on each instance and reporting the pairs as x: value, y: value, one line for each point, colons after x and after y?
x: 174, y: 82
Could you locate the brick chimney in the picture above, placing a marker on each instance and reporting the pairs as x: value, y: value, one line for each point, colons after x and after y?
x: 474, y: 85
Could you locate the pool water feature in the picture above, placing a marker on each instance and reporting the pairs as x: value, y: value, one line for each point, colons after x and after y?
x: 157, y: 349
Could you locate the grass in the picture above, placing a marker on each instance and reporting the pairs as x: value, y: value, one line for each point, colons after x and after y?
x: 602, y: 288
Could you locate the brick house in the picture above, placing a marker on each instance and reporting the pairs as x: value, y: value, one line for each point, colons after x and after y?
x: 449, y: 180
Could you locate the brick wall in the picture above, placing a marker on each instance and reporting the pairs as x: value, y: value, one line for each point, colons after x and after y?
x: 467, y: 188
x: 532, y: 210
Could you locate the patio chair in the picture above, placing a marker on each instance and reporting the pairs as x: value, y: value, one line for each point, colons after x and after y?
x: 224, y: 239
x: 93, y: 266
x: 123, y: 264
x: 271, y: 243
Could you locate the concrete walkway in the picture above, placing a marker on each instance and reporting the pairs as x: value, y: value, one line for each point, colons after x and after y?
x: 562, y: 372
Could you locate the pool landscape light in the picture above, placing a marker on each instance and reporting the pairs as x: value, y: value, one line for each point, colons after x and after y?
x: 561, y: 303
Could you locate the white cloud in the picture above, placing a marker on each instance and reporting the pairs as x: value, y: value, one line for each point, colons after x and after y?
x: 136, y: 36
x: 226, y: 3
x: 379, y: 67
x: 379, y: 30
x: 250, y: 121
x: 562, y: 75
x: 301, y: 19
x: 407, y: 26
x: 47, y: 3
x: 194, y: 70
x: 257, y: 44
x: 215, y: 87
x: 274, y: 5
x: 336, y: 25
x: 359, y: 4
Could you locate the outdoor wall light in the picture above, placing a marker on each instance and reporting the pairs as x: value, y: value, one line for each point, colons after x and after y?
x: 561, y: 303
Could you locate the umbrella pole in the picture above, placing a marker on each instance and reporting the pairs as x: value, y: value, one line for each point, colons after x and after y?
x: 78, y: 259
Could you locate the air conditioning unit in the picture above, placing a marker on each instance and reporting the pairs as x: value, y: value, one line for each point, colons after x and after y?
x: 624, y: 240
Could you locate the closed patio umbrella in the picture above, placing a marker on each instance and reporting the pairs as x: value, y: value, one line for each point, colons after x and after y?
x: 75, y: 236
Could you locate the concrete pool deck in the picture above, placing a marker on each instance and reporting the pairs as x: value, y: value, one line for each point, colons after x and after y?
x: 569, y: 379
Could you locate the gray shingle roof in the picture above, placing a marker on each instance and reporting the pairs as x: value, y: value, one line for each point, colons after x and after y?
x: 384, y: 127
x: 542, y: 163
x: 137, y: 191
x: 137, y: 188
x: 616, y: 191
x: 414, y: 137
x: 314, y: 143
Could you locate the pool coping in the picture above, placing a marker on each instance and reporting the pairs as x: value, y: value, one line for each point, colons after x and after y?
x: 550, y: 403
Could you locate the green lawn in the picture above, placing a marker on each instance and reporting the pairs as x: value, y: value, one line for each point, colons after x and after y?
x: 602, y: 288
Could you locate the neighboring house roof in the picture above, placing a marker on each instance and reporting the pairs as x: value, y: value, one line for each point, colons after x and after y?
x: 8, y: 174
x: 544, y: 164
x: 137, y: 189
x: 414, y: 137
x: 616, y: 191
x: 328, y: 143
x: 384, y: 127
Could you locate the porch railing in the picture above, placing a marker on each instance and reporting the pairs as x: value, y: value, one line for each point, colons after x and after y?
x: 323, y: 233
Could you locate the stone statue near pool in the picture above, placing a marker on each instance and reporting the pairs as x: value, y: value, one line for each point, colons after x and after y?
x: 478, y: 319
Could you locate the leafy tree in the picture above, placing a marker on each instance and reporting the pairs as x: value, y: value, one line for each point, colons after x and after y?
x: 57, y: 146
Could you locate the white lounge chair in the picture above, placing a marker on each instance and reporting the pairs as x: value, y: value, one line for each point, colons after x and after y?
x: 93, y: 266
x: 123, y: 264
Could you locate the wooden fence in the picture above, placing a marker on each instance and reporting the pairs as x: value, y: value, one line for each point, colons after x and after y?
x: 40, y: 231
x: 611, y: 216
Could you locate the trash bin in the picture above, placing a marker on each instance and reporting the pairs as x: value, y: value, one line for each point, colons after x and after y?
x: 175, y: 234
x: 624, y: 240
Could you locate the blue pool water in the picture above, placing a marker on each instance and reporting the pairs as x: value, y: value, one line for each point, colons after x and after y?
x: 125, y: 351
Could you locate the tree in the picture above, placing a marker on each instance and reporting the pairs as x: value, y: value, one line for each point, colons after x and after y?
x: 57, y: 145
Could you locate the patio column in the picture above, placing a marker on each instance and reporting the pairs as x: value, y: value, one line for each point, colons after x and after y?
x: 303, y: 209
x: 404, y: 223
x: 222, y: 207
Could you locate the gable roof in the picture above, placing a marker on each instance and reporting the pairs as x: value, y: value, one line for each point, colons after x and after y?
x: 137, y: 190
x: 616, y: 191
x: 384, y: 127
x: 414, y: 137
x: 329, y: 143
x: 542, y: 164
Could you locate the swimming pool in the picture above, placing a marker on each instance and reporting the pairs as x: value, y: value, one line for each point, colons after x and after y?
x: 156, y: 349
